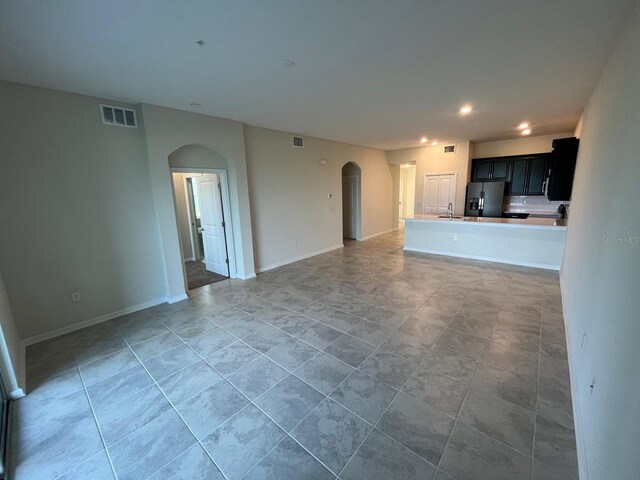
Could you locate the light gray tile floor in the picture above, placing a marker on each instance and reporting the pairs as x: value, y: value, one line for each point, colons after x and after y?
x: 365, y: 362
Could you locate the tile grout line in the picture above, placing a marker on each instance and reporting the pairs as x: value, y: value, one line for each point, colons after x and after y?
x: 394, y: 398
x: 251, y: 402
x: 535, y: 416
x: 95, y: 419
x: 179, y: 415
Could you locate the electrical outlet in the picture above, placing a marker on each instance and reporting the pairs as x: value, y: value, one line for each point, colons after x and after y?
x: 455, y: 238
x: 295, y: 243
x: 75, y: 297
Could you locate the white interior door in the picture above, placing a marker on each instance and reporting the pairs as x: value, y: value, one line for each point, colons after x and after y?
x: 211, y: 220
x: 350, y: 206
x: 439, y: 191
x: 447, y: 185
x: 431, y: 195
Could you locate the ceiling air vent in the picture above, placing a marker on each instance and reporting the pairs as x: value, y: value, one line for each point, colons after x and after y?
x: 298, y: 142
x: 121, y: 117
x: 449, y: 149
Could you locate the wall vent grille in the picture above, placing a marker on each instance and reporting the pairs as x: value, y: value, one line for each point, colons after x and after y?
x: 118, y: 116
x: 449, y: 149
x: 298, y: 142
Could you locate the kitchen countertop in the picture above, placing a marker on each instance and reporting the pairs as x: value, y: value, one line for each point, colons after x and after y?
x: 498, y: 222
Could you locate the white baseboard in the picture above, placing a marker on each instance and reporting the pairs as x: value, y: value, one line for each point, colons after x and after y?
x: 377, y: 234
x: 177, y: 298
x: 248, y: 276
x: 297, y: 259
x: 93, y: 321
x: 583, y: 471
x: 190, y: 259
x: 485, y: 259
x: 16, y: 394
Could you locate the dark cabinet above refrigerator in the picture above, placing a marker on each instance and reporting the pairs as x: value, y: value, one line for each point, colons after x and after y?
x: 490, y: 170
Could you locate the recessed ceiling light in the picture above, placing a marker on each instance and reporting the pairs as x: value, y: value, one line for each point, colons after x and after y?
x: 289, y: 63
x: 434, y: 143
x: 523, y: 125
x: 200, y: 43
x: 526, y: 131
x: 466, y: 110
x: 195, y: 105
x: 424, y: 140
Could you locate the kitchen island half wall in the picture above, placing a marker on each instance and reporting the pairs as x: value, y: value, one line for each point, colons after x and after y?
x: 532, y: 242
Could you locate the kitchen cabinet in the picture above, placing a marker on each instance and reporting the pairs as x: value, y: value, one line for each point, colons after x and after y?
x: 538, y: 174
x: 518, y: 184
x: 562, y: 167
x: 500, y: 170
x: 481, y: 171
x: 525, y: 174
x: 490, y: 170
x: 537, y: 179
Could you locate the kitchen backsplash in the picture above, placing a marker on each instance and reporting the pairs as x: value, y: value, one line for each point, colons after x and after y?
x: 531, y: 204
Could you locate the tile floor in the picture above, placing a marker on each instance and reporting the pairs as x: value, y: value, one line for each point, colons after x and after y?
x: 362, y: 363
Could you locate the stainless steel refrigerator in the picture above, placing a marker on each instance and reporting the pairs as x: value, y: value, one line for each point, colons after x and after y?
x: 485, y: 199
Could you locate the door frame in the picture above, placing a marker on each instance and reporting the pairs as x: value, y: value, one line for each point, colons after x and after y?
x: 191, y: 216
x: 227, y: 215
x: 438, y: 174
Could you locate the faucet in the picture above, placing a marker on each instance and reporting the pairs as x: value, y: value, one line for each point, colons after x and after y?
x: 450, y: 210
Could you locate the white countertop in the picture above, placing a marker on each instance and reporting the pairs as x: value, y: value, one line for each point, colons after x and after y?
x: 498, y: 222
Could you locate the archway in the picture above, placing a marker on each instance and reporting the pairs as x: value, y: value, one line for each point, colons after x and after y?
x: 351, y: 204
x: 203, y: 215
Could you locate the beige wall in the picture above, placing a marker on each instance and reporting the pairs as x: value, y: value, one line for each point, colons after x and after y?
x: 434, y: 160
x: 168, y: 130
x: 293, y: 215
x: 516, y: 146
x: 182, y: 215
x: 600, y: 275
x: 76, y: 211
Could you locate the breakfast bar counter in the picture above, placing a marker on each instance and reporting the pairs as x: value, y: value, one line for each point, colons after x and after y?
x: 532, y: 242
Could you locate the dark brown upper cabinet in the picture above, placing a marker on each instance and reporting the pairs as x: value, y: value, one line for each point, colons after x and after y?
x: 562, y: 167
x: 490, y: 170
x: 542, y: 174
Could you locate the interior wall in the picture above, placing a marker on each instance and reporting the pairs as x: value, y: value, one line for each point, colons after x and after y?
x: 516, y: 146
x: 297, y: 202
x: 600, y: 275
x: 76, y: 211
x: 432, y: 159
x: 182, y: 214
x: 168, y: 130
x: 408, y: 172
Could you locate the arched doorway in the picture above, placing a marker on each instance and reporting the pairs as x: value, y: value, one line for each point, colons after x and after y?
x: 201, y: 199
x: 351, y: 176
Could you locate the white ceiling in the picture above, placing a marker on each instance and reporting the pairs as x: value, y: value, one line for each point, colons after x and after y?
x: 370, y: 72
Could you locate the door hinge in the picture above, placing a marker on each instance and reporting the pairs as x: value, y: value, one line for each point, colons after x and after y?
x: 220, y: 186
x: 227, y: 260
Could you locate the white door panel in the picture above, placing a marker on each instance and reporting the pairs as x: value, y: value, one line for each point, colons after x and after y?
x: 439, y: 191
x: 431, y: 195
x: 215, y: 252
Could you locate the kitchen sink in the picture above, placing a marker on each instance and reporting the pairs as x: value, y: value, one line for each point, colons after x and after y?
x: 447, y: 216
